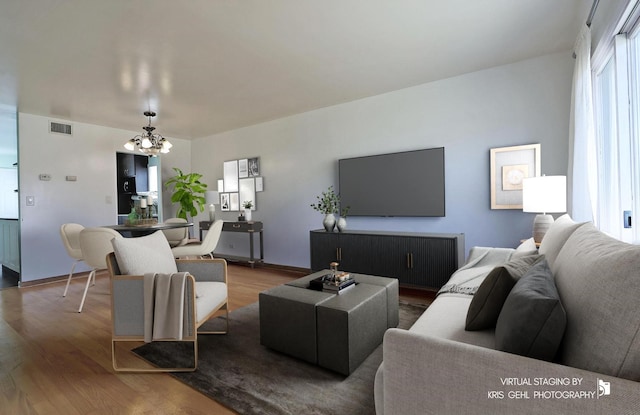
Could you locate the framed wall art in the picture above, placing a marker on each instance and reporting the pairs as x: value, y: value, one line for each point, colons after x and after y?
x: 224, y: 202
x: 509, y: 167
x: 241, y: 180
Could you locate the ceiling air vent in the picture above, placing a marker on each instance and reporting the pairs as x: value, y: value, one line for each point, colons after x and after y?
x: 59, y: 128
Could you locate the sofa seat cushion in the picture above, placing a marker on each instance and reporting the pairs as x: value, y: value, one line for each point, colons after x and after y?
x: 532, y: 320
x: 446, y: 318
x: 491, y: 294
x: 598, y: 279
x: 211, y: 296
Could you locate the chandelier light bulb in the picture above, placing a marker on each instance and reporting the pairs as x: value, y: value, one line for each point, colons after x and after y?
x: 146, y: 143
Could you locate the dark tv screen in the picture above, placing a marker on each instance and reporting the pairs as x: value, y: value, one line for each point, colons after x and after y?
x: 409, y: 183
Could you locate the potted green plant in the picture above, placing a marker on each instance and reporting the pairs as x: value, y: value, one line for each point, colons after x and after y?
x: 247, y: 205
x: 327, y: 204
x: 188, y: 191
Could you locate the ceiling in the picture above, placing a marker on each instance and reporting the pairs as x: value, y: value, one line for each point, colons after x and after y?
x: 207, y: 66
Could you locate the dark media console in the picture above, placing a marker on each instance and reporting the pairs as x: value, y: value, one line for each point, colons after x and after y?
x: 424, y: 260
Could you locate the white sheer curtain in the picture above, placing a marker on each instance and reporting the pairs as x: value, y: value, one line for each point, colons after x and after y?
x: 635, y: 129
x: 582, y: 171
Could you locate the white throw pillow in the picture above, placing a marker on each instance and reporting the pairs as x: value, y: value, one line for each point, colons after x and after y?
x: 151, y: 253
x: 526, y: 248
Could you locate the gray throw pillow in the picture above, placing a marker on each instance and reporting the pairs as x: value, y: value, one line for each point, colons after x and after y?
x: 532, y: 320
x: 488, y: 300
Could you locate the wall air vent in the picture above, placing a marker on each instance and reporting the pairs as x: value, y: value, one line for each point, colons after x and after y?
x: 59, y: 128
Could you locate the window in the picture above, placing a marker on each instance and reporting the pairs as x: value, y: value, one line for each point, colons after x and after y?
x: 616, y: 94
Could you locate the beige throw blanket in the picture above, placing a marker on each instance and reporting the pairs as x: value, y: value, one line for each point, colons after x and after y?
x: 164, y: 306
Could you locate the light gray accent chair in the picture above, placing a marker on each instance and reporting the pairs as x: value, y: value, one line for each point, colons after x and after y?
x: 437, y: 367
x: 206, y: 294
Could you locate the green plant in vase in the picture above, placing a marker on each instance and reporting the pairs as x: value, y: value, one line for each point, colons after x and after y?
x: 327, y: 204
x: 188, y: 191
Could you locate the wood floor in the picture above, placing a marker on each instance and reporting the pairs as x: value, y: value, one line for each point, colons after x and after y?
x: 54, y: 360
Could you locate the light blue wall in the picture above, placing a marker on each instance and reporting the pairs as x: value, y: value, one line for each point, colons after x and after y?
x: 522, y: 103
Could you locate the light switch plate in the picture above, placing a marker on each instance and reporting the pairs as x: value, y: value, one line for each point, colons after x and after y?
x: 45, y: 177
x: 31, y: 201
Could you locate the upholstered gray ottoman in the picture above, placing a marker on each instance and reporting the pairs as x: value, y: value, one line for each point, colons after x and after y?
x: 390, y: 284
x: 350, y: 327
x: 335, y: 331
x: 288, y: 320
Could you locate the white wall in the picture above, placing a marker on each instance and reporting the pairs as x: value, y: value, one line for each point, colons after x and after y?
x: 90, y: 154
x: 522, y: 103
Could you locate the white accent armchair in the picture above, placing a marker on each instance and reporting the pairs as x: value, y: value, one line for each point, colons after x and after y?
x: 205, y: 293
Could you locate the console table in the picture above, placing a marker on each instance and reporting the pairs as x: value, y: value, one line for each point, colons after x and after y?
x: 250, y: 228
x: 424, y: 260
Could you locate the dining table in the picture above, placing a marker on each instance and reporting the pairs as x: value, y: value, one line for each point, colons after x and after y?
x: 146, y: 229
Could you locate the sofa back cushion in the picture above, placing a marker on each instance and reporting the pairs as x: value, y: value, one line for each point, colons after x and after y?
x: 555, y: 238
x: 598, y: 279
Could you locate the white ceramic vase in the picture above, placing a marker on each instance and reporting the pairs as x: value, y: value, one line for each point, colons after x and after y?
x: 247, y: 215
x: 329, y: 222
x: 341, y: 224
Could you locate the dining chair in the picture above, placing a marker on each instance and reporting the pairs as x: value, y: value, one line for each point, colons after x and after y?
x: 203, y: 248
x: 176, y: 236
x: 70, y: 234
x: 95, y: 244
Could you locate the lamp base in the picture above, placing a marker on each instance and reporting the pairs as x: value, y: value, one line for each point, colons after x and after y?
x: 541, y: 225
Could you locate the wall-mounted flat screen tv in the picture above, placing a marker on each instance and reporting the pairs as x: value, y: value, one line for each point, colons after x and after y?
x: 409, y: 183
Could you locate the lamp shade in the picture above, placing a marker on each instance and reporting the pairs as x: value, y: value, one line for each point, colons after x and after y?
x: 544, y: 194
x: 211, y: 197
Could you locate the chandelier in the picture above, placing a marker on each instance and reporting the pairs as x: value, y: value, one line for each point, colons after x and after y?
x: 148, y: 142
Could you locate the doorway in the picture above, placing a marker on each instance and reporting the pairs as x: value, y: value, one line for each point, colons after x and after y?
x: 9, y: 198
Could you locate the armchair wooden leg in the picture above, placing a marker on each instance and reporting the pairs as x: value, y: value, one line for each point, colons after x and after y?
x: 118, y: 368
x: 226, y: 309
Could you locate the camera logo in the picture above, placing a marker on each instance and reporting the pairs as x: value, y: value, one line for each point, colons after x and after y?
x: 604, y: 388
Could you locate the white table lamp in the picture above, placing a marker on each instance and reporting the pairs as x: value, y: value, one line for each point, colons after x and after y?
x: 211, y: 198
x: 543, y: 195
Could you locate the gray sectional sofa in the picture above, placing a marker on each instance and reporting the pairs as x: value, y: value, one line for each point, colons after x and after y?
x: 585, y: 342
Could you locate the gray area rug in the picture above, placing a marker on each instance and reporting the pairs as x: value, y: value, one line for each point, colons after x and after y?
x: 238, y: 372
